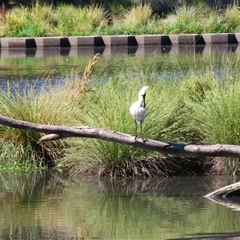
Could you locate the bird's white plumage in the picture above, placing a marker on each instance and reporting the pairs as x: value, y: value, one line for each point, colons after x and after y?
x: 137, y: 109
x: 138, y: 112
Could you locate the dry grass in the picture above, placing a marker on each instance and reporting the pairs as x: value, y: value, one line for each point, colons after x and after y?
x: 82, y: 85
x: 232, y: 17
x: 138, y: 15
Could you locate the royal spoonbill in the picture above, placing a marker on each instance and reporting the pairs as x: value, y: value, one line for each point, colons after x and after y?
x: 137, y: 109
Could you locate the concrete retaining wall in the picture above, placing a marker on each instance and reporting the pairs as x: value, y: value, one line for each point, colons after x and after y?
x: 120, y: 40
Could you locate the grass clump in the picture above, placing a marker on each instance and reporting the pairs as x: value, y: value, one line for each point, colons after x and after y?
x: 83, y: 21
x: 50, y: 106
x: 204, y: 111
x: 194, y: 19
x: 183, y: 20
x: 219, y: 113
x: 232, y: 17
x: 130, y: 21
x: 108, y: 107
x: 216, y: 115
x: 20, y: 22
x: 40, y: 108
x: 137, y: 15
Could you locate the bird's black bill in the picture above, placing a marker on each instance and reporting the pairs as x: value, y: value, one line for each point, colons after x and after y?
x: 144, y: 103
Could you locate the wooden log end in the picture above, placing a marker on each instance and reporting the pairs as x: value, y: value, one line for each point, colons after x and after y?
x: 49, y: 137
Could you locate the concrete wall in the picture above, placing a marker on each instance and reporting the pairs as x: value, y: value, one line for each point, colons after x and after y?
x: 120, y: 40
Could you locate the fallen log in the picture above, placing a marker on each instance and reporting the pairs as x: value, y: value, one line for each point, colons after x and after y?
x: 58, y: 132
x: 227, y: 196
x: 229, y: 190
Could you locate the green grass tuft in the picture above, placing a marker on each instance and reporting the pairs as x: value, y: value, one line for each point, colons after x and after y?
x: 36, y: 108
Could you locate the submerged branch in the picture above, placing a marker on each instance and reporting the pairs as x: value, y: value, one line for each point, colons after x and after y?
x: 224, y: 191
x: 57, y: 132
x: 227, y: 196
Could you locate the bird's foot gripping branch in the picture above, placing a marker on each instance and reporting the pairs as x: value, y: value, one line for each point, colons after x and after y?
x: 58, y: 132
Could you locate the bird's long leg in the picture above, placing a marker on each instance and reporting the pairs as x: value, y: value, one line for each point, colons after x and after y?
x: 141, y: 129
x: 136, y: 128
x: 143, y: 139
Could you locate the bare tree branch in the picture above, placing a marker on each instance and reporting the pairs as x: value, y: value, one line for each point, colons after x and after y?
x: 58, y: 132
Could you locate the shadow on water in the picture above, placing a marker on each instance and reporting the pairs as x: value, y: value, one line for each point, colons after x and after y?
x: 53, y: 206
x: 118, y: 50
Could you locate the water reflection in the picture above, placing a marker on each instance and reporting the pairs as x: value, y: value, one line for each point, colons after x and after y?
x: 51, y: 206
x: 119, y: 50
x: 40, y: 68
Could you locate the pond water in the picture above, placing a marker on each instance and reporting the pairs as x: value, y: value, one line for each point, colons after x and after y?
x: 51, y: 206
x: 33, y: 67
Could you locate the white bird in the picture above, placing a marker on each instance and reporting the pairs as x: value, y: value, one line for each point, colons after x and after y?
x: 138, y: 110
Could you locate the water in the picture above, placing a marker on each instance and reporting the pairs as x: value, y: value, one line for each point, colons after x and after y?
x: 43, y: 67
x: 50, y: 206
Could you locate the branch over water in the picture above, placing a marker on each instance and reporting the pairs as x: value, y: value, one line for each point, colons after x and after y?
x: 58, y: 132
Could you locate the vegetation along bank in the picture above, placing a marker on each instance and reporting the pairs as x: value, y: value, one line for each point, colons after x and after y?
x: 197, y: 106
x: 39, y: 20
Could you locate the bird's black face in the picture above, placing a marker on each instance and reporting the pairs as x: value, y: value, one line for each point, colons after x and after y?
x: 144, y: 103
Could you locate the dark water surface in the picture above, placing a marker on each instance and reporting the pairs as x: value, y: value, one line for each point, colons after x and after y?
x: 50, y: 206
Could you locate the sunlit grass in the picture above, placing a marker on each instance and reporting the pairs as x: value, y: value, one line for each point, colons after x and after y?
x: 138, y: 19
x: 232, y: 17
x: 80, y: 21
x: 138, y: 15
x: 194, y: 19
x: 22, y: 146
x: 20, y: 21
x: 67, y: 20
x: 184, y: 19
